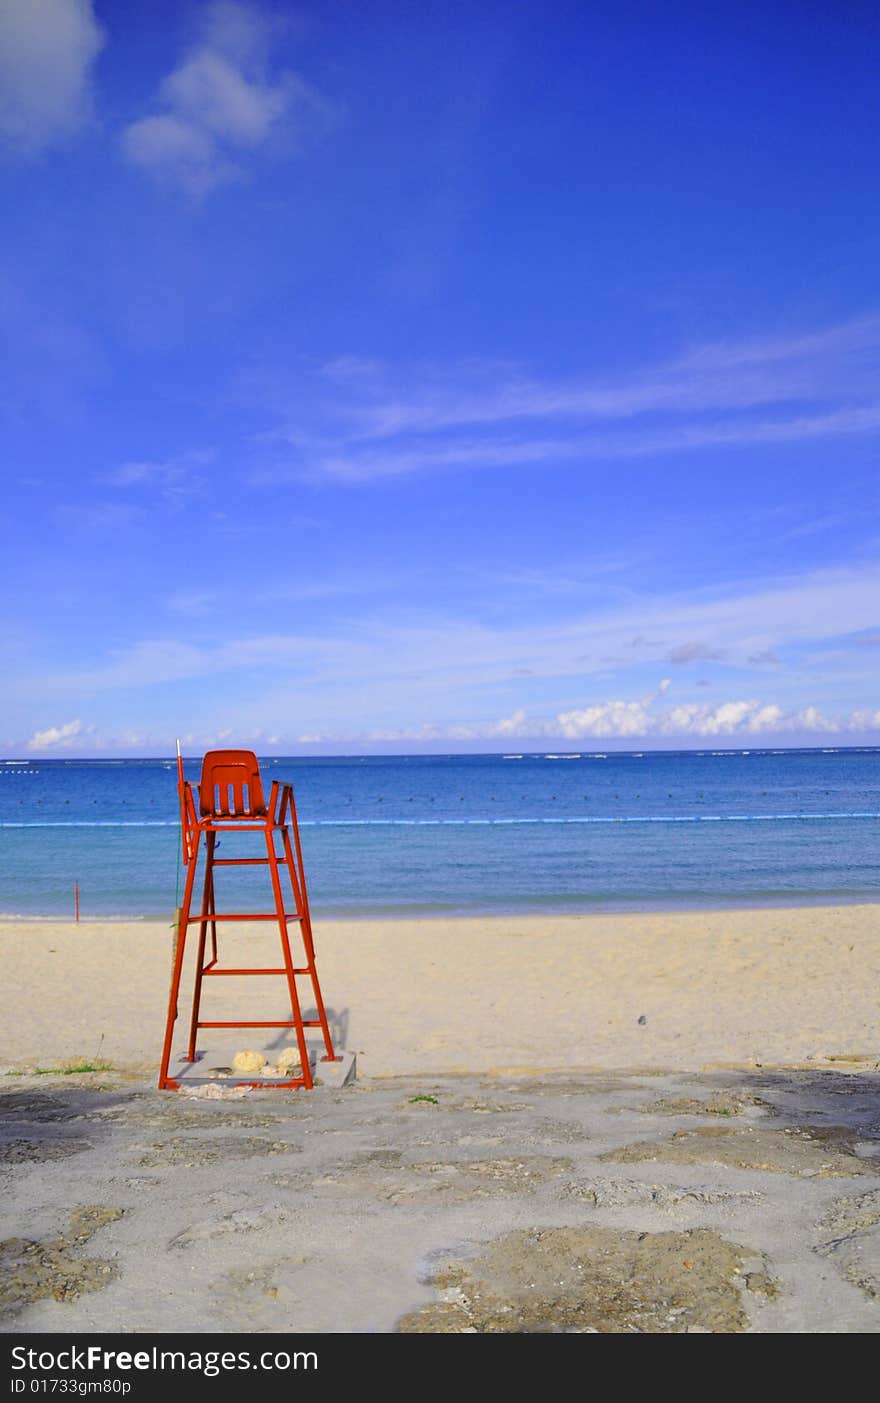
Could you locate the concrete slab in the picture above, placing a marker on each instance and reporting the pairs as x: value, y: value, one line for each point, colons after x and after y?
x: 342, y: 1072
x: 468, y: 1204
x: 213, y: 1066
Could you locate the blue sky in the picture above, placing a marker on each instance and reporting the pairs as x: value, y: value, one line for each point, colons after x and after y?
x: 395, y: 377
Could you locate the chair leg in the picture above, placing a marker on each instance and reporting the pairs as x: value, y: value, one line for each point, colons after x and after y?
x: 174, y: 992
x: 214, y: 955
x: 295, y: 1009
x: 302, y: 905
x: 207, y: 910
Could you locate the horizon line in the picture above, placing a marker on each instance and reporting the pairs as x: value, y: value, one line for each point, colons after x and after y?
x: 542, y: 753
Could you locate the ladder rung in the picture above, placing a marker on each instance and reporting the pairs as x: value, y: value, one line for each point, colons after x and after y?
x: 287, y: 1024
x: 240, y: 916
x: 208, y: 970
x: 245, y: 861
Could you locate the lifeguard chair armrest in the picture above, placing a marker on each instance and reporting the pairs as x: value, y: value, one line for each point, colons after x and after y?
x: 288, y: 807
x: 189, y: 819
x: 280, y: 790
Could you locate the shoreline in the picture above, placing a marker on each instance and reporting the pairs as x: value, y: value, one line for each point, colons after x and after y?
x: 675, y: 989
x: 395, y: 915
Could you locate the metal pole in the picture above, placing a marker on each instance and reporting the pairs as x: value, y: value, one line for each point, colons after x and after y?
x: 181, y: 795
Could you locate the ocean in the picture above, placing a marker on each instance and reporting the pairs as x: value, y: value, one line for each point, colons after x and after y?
x: 466, y: 834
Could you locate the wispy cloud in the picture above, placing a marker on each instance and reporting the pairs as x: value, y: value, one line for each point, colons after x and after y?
x: 359, y: 464
x: 97, y: 515
x: 171, y: 478
x: 399, y: 668
x: 156, y: 661
x: 716, y: 376
x: 47, y: 51
x: 192, y: 603
x: 223, y: 102
x: 362, y: 421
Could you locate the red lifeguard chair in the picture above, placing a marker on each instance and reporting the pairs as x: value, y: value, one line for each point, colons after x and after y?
x: 231, y: 800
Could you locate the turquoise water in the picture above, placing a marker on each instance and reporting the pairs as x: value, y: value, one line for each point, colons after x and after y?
x: 477, y: 833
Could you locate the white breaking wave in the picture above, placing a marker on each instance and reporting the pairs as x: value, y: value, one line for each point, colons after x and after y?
x: 90, y: 919
x: 93, y: 823
x: 477, y: 822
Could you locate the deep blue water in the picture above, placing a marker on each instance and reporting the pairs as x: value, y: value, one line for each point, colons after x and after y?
x: 472, y: 833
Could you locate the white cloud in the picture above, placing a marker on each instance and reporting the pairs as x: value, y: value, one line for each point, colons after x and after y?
x: 510, y: 725
x: 769, y: 717
x: 221, y: 102
x: 609, y: 724
x: 865, y: 721
x: 701, y: 719
x: 47, y: 49
x: 611, y: 718
x: 212, y: 95
x: 689, y: 720
x: 630, y: 719
x: 637, y: 720
x: 173, y: 149
x: 57, y: 737
x: 811, y: 719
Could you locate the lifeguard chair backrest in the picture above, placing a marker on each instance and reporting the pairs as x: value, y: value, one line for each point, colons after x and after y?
x: 230, y: 785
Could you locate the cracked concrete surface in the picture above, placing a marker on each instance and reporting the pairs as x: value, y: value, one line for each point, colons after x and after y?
x: 826, y: 1152
x: 596, y: 1280
x: 647, y: 1202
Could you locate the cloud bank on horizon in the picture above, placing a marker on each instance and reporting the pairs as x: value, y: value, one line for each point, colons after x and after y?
x: 445, y: 381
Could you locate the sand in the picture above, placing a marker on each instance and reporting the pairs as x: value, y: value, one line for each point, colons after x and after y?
x: 681, y: 990
x: 690, y: 1144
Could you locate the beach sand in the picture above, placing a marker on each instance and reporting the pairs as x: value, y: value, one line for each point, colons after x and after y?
x: 614, y: 1183
x: 783, y: 987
